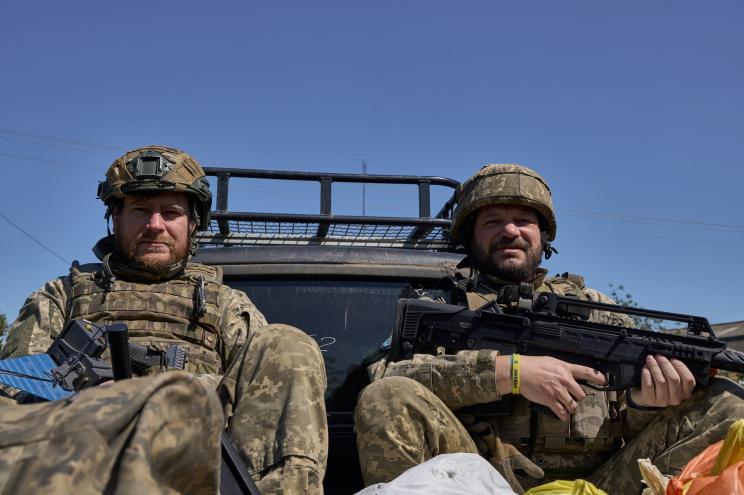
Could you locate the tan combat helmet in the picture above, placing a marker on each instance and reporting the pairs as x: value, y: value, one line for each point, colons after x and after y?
x: 158, y: 169
x: 502, y: 183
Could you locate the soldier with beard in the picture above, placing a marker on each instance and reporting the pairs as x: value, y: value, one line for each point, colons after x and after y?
x: 161, y: 433
x: 505, y: 220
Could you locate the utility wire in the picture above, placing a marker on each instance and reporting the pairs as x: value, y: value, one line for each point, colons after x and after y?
x: 37, y: 241
x: 56, y: 140
x: 42, y: 160
x: 63, y: 142
x: 54, y: 145
x: 654, y: 219
x: 614, y: 217
x: 634, y: 236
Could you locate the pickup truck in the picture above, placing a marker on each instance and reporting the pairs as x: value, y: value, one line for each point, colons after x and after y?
x: 337, y: 277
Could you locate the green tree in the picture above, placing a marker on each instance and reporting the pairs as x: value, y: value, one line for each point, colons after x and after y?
x: 624, y: 298
x: 3, y: 327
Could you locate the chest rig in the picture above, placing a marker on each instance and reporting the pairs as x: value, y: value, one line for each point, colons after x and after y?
x: 183, y: 310
x: 592, y: 431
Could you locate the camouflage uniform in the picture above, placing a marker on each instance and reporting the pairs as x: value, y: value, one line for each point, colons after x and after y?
x: 410, y: 414
x: 133, y: 436
x: 272, y: 392
x: 412, y: 410
x: 162, y: 433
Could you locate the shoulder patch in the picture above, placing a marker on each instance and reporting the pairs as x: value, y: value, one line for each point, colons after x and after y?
x: 563, y: 285
x: 210, y: 273
x: 86, y: 268
x: 577, y: 280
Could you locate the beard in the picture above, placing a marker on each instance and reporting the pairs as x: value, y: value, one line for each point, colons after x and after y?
x: 156, y: 265
x: 485, y: 260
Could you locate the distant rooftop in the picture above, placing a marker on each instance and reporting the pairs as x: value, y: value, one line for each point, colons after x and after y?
x: 732, y: 333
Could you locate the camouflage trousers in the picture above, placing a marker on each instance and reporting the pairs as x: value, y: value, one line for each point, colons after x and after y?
x: 161, y: 433
x: 674, y: 436
x: 274, y: 399
x: 134, y: 436
x: 400, y: 423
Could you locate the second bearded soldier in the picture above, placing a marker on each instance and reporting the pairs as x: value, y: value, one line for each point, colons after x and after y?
x: 409, y: 413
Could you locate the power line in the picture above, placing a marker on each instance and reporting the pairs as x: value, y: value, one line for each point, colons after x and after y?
x: 64, y: 142
x: 42, y: 160
x: 615, y: 217
x: 54, y: 145
x: 37, y: 241
x: 364, y: 189
x: 653, y: 220
x: 20, y: 135
x: 634, y: 236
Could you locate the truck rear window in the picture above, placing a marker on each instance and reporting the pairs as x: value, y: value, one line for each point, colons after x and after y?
x: 348, y: 318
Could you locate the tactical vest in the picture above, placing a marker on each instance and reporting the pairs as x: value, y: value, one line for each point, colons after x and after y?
x: 592, y: 431
x: 157, y: 314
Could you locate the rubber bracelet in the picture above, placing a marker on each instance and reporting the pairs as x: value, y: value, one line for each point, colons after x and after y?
x: 515, y: 378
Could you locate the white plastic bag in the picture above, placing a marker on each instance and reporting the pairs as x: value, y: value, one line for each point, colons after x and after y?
x: 446, y: 474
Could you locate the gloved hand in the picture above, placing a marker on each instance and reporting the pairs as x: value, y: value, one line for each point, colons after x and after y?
x: 507, y: 459
x: 503, y: 456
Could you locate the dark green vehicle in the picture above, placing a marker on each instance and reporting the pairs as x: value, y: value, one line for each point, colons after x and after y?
x: 338, y: 278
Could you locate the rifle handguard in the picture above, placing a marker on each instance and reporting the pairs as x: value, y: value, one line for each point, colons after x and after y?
x: 78, y: 349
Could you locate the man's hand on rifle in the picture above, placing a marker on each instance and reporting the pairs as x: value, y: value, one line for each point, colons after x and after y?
x: 549, y: 381
x: 664, y: 382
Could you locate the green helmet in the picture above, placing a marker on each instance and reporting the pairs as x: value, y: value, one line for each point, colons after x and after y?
x: 501, y: 183
x: 158, y: 169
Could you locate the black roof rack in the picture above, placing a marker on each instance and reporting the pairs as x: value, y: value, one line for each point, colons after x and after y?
x: 230, y: 228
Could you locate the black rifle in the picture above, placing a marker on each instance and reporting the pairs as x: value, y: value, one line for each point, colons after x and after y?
x: 545, y: 324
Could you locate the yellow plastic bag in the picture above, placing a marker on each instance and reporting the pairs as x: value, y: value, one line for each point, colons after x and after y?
x: 716, y: 470
x: 563, y: 487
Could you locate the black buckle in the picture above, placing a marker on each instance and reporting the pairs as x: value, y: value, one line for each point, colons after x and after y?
x: 149, y: 165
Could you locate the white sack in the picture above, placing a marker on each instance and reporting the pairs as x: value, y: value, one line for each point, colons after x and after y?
x: 446, y: 474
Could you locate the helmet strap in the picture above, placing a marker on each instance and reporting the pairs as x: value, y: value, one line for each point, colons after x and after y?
x: 108, y: 276
x: 194, y: 216
x: 107, y: 217
x: 193, y: 246
x: 548, y: 250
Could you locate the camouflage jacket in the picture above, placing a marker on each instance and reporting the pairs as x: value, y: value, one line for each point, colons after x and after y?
x: 158, y: 313
x: 468, y: 378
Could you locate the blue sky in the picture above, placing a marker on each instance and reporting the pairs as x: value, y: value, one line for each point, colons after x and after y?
x: 632, y: 110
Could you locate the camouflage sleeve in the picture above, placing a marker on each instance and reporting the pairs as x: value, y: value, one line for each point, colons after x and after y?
x: 239, y: 316
x: 459, y: 380
x: 635, y: 420
x: 605, y: 317
x: 40, y: 320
